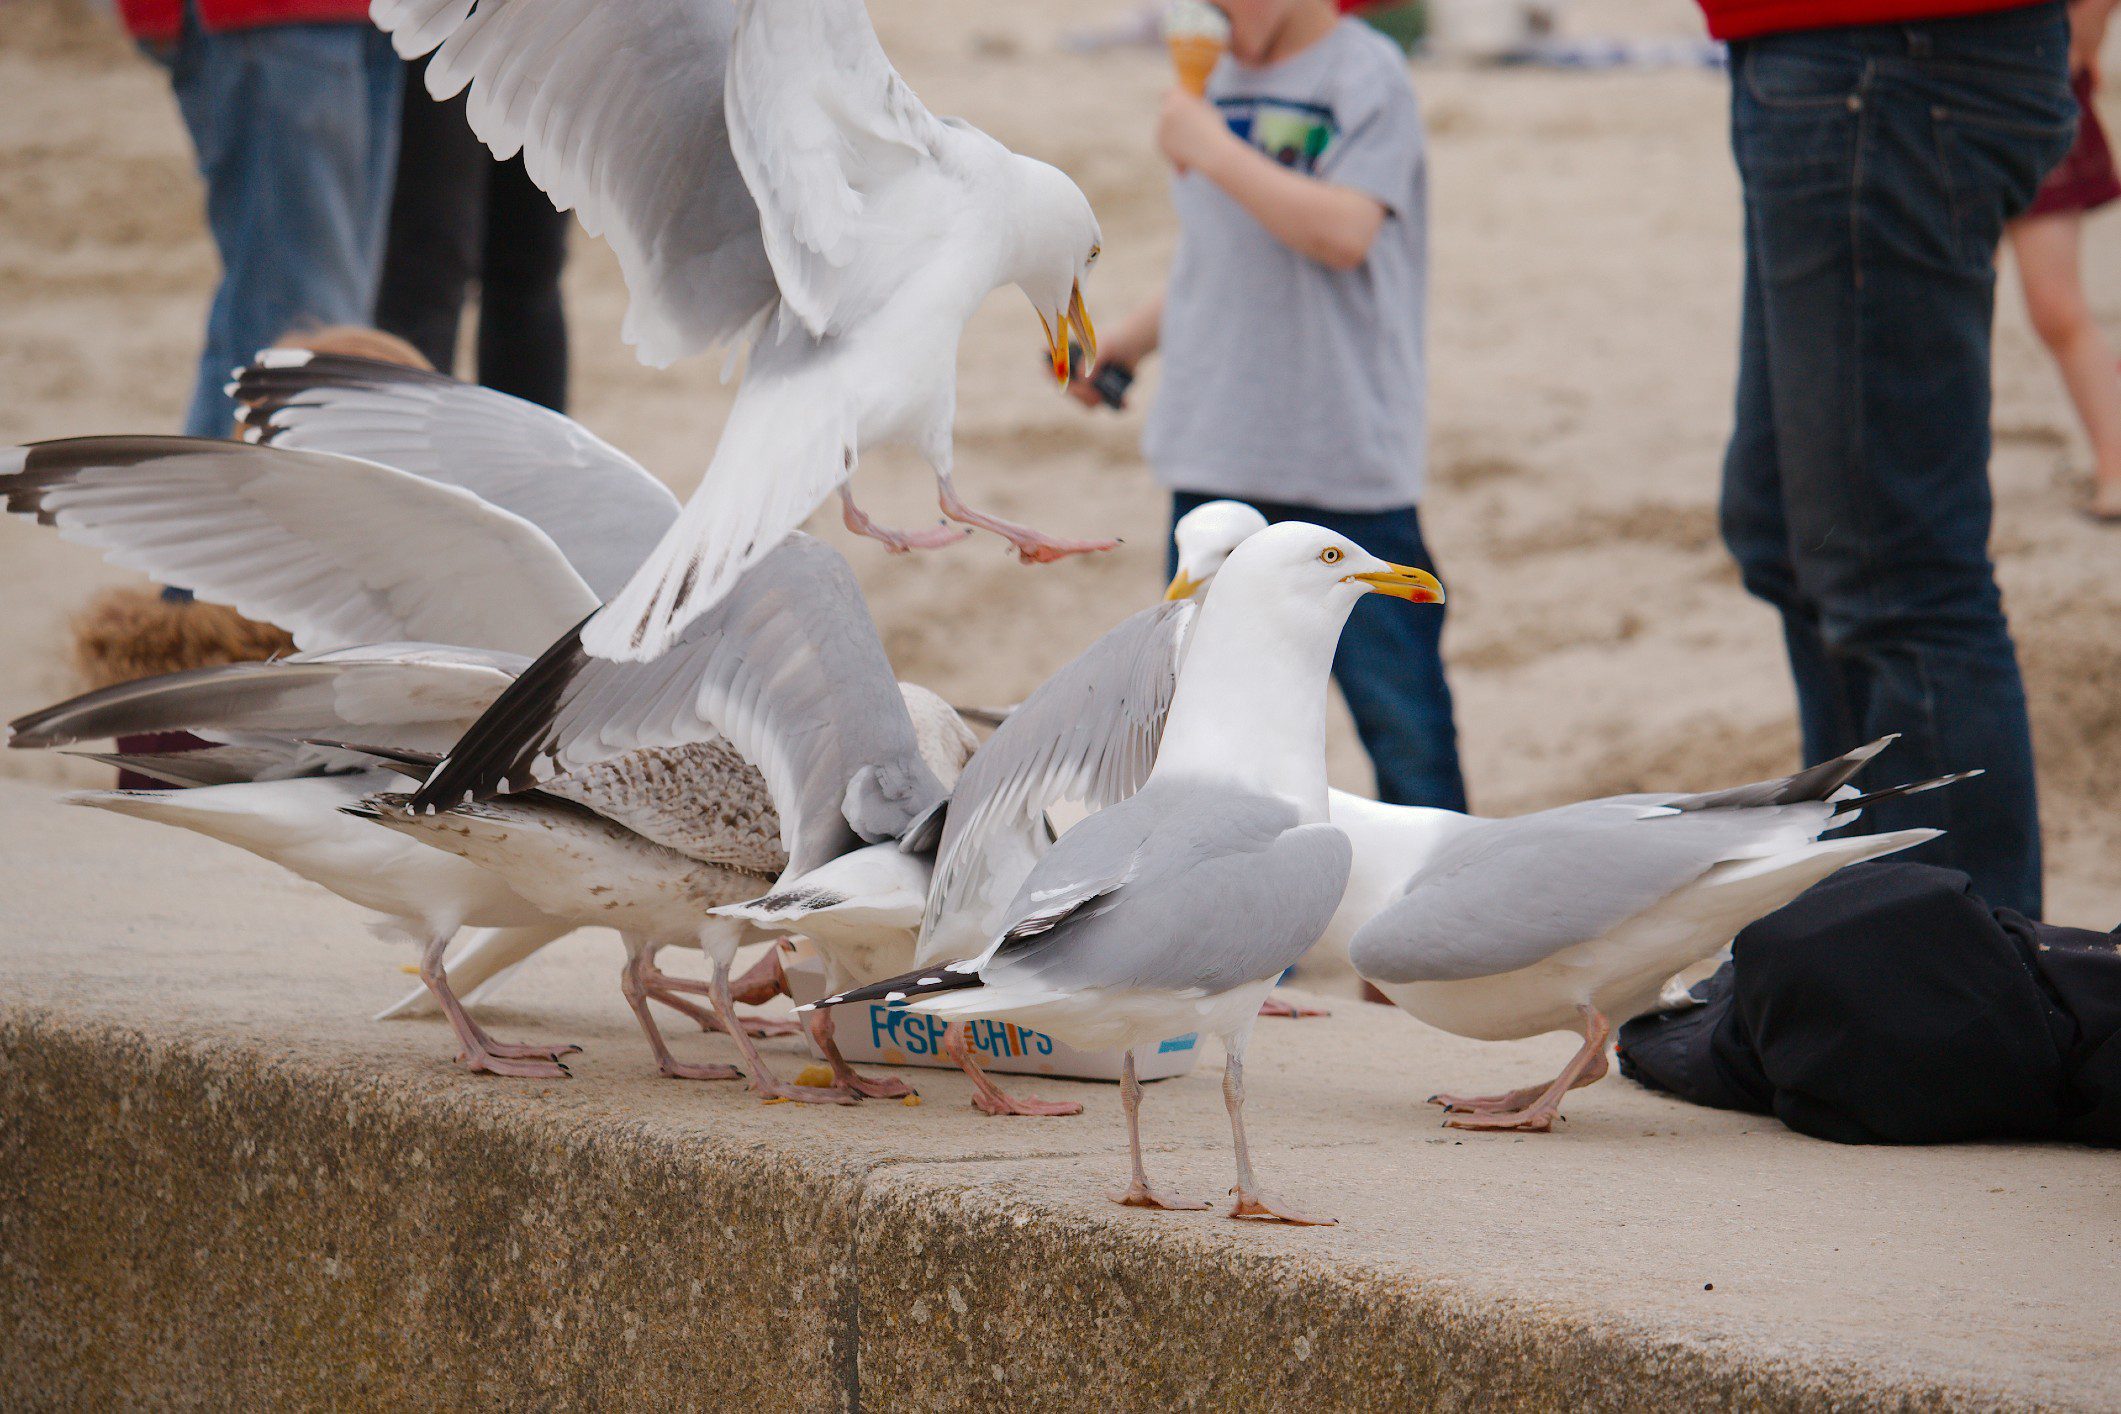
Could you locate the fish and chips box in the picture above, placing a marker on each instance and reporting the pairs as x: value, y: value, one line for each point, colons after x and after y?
x: 876, y: 1033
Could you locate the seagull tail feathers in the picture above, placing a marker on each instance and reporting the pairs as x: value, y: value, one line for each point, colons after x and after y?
x: 910, y: 986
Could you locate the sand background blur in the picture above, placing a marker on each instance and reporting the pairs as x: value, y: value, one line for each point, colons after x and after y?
x: 1584, y: 308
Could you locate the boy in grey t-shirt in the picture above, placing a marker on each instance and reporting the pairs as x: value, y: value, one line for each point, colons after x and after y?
x: 1292, y: 334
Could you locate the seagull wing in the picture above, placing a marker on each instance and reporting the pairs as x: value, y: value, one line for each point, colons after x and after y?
x: 1120, y: 901
x: 417, y: 695
x: 787, y: 666
x: 617, y: 109
x: 1505, y: 894
x: 599, y: 506
x: 821, y: 125
x: 1087, y: 734
x: 334, y: 549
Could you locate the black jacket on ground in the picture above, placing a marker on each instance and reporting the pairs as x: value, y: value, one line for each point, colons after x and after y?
x: 1890, y: 1005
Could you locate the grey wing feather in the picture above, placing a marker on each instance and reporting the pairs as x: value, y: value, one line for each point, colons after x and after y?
x: 1510, y: 893
x: 601, y: 508
x: 334, y: 549
x: 418, y: 695
x: 787, y: 666
x: 213, y: 765
x: 618, y: 112
x: 1088, y: 734
x: 1182, y: 887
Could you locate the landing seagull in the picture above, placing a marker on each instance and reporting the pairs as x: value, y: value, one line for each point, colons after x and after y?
x: 1175, y: 909
x: 770, y: 185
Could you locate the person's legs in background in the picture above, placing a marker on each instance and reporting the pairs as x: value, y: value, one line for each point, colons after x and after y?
x: 1390, y: 662
x: 2049, y: 251
x: 292, y: 124
x: 437, y: 223
x: 1876, y: 298
x: 522, y: 322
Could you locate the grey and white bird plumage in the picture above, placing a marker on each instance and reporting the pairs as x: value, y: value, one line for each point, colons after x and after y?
x: 1175, y: 908
x: 770, y: 185
x: 1573, y: 918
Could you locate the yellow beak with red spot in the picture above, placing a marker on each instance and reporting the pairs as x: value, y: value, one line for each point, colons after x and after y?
x: 1402, y: 582
x: 1077, y: 315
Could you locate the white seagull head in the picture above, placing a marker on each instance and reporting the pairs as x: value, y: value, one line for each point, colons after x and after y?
x: 1057, y: 243
x: 1310, y: 577
x: 1206, y: 535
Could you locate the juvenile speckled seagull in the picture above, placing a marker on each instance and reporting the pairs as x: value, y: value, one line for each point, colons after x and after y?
x: 1175, y: 909
x: 771, y: 185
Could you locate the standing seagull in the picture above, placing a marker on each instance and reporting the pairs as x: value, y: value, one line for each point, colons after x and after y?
x: 769, y: 183
x: 1176, y: 908
x: 1572, y: 918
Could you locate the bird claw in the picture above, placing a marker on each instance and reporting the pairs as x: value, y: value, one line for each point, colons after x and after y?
x: 1255, y: 1207
x: 1002, y: 1104
x: 515, y: 1067
x: 1141, y: 1195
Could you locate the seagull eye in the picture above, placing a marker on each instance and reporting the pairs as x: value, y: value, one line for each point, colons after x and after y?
x: 1331, y: 555
x: 1095, y: 251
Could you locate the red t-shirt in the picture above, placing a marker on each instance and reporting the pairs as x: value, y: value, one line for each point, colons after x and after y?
x: 1742, y: 19
x: 162, y: 19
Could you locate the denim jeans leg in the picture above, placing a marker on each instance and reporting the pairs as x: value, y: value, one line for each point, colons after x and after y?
x: 1878, y: 183
x: 285, y: 121
x: 1390, y: 661
x: 1758, y: 536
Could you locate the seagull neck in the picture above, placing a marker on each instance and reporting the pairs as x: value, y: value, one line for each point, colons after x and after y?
x: 1251, y: 703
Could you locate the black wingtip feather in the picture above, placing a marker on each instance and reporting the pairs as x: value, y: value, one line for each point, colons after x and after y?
x: 928, y: 982
x: 496, y: 753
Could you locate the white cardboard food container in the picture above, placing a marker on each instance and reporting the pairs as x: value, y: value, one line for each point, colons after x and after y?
x: 879, y: 1034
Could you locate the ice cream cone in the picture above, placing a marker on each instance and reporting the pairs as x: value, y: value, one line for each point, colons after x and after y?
x: 1194, y: 57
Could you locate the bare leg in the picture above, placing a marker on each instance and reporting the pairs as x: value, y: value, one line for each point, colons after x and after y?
x: 898, y: 542
x: 765, y: 981
x: 477, y: 1050
x: 764, y: 1082
x: 986, y: 1095
x: 1139, y: 1194
x: 1535, y: 1108
x: 1295, y: 1011
x: 2050, y: 266
x: 845, y: 1076
x: 1251, y: 1203
x: 633, y: 981
x: 1032, y: 546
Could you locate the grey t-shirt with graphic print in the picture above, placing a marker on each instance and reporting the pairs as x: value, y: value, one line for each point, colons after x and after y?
x: 1285, y: 380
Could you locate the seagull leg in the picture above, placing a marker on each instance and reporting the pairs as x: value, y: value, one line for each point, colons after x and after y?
x: 764, y: 1083
x: 1295, y: 1011
x: 1139, y: 1194
x: 634, y: 982
x: 845, y: 1076
x: 665, y: 988
x: 477, y: 1050
x: 898, y: 542
x: 765, y: 981
x: 1251, y: 1203
x: 986, y: 1095
x: 1032, y: 547
x: 1535, y: 1108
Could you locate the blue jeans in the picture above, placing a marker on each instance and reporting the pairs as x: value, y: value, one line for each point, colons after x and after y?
x: 296, y: 131
x: 1390, y: 662
x: 1879, y: 165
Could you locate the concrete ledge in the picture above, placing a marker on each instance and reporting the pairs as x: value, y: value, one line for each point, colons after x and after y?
x: 219, y: 1184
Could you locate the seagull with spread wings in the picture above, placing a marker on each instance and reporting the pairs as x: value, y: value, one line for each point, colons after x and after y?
x: 772, y: 186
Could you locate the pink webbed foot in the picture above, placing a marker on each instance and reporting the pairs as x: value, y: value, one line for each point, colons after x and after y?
x: 995, y: 1101
x: 1257, y: 1207
x: 898, y: 542
x: 1490, y: 1104
x: 1539, y: 1119
x: 481, y: 1060
x: 1141, y: 1195
x: 779, y: 1092
x: 1033, y: 547
x: 843, y: 1076
x: 1295, y: 1011
x: 675, y: 1069
x: 526, y: 1050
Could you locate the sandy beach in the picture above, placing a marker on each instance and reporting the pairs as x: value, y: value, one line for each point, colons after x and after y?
x: 1584, y: 304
